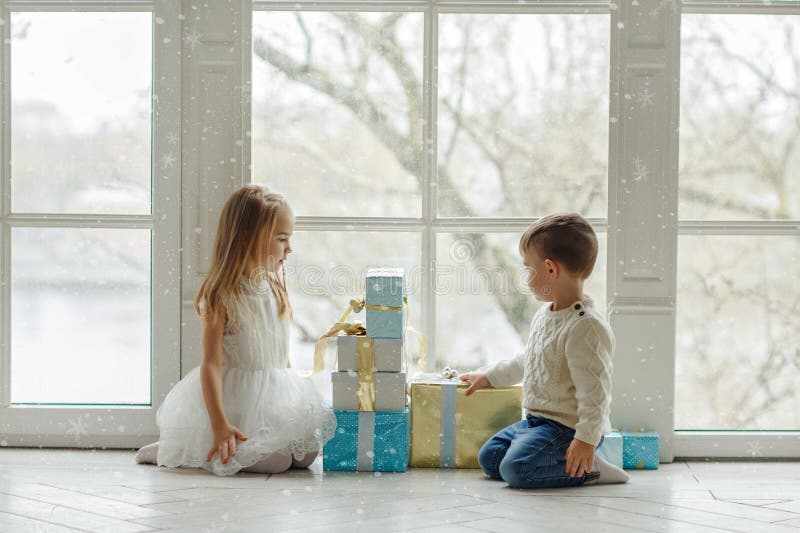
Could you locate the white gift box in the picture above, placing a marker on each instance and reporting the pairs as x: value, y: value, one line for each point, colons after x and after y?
x: 387, y: 392
x: 388, y: 353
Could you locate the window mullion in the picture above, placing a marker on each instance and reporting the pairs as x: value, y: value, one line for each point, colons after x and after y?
x: 5, y: 205
x: 429, y: 176
x: 723, y: 227
x: 739, y: 7
x: 84, y: 5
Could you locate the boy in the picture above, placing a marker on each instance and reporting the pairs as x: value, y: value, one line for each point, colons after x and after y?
x: 565, y: 369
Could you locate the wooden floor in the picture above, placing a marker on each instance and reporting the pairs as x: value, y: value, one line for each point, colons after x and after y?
x: 80, y: 490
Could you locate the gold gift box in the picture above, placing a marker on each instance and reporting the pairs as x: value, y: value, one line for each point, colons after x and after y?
x: 450, y: 434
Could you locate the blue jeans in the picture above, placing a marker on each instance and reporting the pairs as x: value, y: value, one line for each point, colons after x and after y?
x: 530, y: 455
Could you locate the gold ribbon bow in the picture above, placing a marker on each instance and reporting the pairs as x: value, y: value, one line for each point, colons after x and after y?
x: 340, y: 325
x: 365, y: 365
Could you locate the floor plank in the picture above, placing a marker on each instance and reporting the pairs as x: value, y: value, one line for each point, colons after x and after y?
x: 69, y: 490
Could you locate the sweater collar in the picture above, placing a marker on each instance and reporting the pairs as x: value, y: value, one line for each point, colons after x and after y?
x: 586, y: 301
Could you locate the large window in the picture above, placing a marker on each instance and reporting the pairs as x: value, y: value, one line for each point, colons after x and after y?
x: 738, y: 329
x: 80, y: 145
x: 86, y: 232
x: 430, y: 140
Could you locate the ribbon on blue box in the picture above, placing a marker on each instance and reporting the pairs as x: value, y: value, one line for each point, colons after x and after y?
x: 369, y: 442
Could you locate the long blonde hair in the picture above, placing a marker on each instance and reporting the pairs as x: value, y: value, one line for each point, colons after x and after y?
x: 246, y: 225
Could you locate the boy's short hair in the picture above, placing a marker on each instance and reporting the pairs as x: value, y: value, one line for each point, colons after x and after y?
x: 564, y: 237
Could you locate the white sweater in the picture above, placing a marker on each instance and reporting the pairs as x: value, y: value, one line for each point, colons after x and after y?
x: 565, y: 369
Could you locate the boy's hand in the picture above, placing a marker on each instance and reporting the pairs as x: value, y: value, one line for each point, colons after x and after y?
x: 477, y: 381
x: 580, y: 458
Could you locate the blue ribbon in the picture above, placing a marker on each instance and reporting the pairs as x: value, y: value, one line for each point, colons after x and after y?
x: 366, y: 441
x: 447, y: 421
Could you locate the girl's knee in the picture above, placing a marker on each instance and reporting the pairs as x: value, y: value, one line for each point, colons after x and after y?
x: 274, y: 463
x: 306, y: 461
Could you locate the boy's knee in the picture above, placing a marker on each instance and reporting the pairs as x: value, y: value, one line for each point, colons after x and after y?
x: 487, y: 459
x: 513, y: 471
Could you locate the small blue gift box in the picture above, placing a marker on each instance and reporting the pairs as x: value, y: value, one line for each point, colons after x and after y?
x: 640, y: 450
x: 385, y: 324
x: 368, y: 442
x: 385, y: 287
x: 384, y: 301
x: 611, y: 449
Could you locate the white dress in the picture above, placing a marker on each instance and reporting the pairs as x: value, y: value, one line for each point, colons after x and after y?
x: 272, y: 405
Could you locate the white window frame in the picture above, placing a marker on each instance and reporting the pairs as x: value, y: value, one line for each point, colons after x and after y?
x: 431, y: 223
x: 721, y: 443
x: 103, y: 425
x: 684, y: 444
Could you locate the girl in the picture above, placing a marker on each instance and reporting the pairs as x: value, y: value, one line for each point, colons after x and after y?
x: 244, y: 389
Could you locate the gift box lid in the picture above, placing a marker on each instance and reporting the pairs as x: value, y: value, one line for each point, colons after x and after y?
x: 385, y: 272
x: 640, y: 433
x: 385, y: 286
x: 432, y: 378
x: 380, y: 377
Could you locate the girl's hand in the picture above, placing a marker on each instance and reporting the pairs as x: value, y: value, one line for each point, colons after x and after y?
x: 225, y: 443
x: 477, y: 381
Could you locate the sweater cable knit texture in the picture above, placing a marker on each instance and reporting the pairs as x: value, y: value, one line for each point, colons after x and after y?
x: 565, y: 369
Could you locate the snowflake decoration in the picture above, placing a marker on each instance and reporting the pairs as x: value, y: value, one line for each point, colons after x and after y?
x: 754, y: 448
x: 193, y: 39
x: 645, y: 98
x: 172, y: 138
x: 167, y: 160
x: 77, y: 427
x: 662, y: 4
x: 640, y: 172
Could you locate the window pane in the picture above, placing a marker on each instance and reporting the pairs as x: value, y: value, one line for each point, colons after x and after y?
x: 523, y: 114
x: 337, y: 111
x: 80, y: 315
x: 483, y: 305
x: 738, y: 330
x: 740, y: 117
x: 80, y: 112
x: 327, y: 269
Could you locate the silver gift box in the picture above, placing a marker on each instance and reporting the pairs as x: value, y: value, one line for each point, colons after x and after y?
x: 388, y: 353
x: 390, y: 391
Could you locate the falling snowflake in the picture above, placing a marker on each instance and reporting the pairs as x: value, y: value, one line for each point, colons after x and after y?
x: 645, y: 97
x: 640, y: 172
x: 172, y: 138
x: 77, y: 427
x: 754, y: 448
x: 167, y: 160
x: 193, y: 39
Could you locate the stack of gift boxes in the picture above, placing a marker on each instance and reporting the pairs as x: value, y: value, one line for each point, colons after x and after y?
x: 369, y: 384
x: 444, y: 428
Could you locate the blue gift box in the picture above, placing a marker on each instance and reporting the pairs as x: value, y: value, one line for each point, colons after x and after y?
x: 385, y: 324
x: 385, y: 287
x: 611, y: 449
x: 368, y: 442
x: 385, y: 298
x: 640, y: 450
